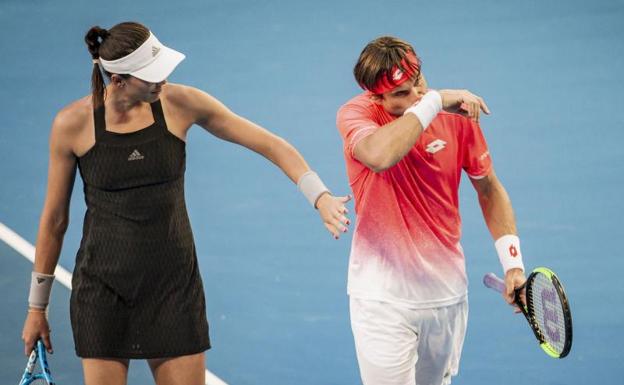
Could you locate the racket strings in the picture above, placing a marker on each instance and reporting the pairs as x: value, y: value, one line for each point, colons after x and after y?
x: 547, y: 309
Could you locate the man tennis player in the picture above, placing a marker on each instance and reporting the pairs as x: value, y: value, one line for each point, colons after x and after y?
x: 405, y: 147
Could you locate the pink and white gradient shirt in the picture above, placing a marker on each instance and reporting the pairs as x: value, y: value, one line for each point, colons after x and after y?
x: 406, y: 241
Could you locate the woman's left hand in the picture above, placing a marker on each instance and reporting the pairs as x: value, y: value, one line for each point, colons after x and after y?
x: 334, y: 213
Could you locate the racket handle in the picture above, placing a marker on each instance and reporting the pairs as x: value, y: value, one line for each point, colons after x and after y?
x: 493, y: 282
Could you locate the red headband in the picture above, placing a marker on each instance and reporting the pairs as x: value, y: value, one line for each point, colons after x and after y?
x: 385, y: 83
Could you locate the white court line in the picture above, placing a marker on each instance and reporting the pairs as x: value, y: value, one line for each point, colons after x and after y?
x: 23, y: 247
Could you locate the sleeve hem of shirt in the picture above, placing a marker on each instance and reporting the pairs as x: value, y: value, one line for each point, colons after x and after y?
x: 480, y: 175
x: 361, y: 134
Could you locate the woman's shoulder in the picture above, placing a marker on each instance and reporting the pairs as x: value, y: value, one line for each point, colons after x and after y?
x: 179, y: 94
x: 190, y: 102
x: 187, y: 98
x: 74, y: 116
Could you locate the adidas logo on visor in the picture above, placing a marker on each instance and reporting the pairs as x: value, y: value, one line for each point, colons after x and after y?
x: 155, y: 51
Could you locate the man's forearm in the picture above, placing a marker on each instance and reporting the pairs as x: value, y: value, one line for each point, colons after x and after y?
x: 497, y: 210
x: 390, y: 143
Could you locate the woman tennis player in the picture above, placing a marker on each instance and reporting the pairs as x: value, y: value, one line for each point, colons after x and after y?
x: 137, y: 292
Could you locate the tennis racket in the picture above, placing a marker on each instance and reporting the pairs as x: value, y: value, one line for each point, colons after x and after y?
x: 547, y: 309
x: 37, y: 374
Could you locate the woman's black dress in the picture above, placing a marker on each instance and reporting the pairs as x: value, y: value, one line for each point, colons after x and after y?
x: 137, y: 291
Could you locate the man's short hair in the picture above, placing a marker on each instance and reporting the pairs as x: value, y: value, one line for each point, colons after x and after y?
x: 380, y: 57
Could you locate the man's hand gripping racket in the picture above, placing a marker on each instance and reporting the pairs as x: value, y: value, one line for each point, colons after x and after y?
x: 547, y: 309
x: 37, y: 371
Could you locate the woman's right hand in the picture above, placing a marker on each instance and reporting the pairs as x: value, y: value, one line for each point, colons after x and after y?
x: 333, y: 213
x: 36, y: 327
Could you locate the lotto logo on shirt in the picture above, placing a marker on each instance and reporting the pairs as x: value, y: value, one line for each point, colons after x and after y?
x: 435, y: 146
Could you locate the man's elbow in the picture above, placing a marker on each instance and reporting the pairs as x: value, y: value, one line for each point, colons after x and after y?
x: 379, y: 163
x: 375, y: 158
x: 381, y: 167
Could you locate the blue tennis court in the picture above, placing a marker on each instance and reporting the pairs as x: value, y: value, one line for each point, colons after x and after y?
x: 275, y: 281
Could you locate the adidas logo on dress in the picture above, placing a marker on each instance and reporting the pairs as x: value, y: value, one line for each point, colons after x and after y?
x: 136, y: 155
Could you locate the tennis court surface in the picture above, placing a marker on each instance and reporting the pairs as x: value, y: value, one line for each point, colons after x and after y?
x: 275, y: 281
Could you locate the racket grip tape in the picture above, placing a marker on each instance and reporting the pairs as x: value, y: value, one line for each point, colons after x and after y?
x: 493, y: 282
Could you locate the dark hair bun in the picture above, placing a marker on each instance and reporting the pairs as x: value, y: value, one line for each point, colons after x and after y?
x: 94, y: 37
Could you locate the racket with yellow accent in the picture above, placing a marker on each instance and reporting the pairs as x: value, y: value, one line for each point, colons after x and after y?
x: 547, y: 309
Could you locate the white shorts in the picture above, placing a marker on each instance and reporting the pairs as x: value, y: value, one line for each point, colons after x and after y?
x: 401, y: 346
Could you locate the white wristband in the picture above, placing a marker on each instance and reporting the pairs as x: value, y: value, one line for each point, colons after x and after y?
x: 312, y: 187
x: 508, y: 249
x: 40, y: 288
x: 427, y: 108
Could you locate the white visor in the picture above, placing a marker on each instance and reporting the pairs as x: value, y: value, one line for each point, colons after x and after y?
x: 152, y: 61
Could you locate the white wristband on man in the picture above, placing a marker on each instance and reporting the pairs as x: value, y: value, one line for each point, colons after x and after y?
x: 509, y: 255
x: 40, y: 288
x: 312, y: 187
x: 427, y: 108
